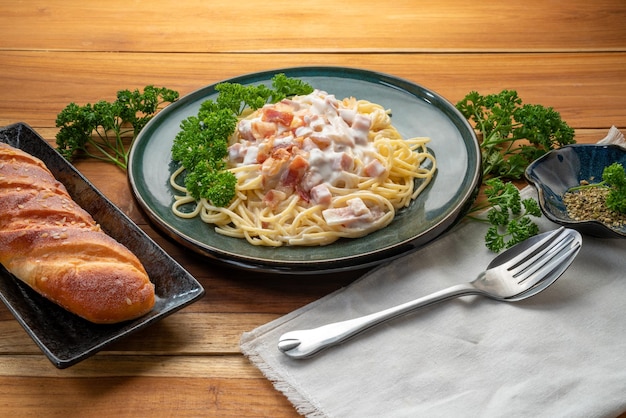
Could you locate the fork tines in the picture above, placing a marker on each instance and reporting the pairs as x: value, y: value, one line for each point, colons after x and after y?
x: 544, y: 255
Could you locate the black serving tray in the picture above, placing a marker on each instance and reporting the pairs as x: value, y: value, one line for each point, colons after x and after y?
x: 65, y: 338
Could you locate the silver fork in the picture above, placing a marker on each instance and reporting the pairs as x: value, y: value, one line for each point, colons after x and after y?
x: 519, y: 273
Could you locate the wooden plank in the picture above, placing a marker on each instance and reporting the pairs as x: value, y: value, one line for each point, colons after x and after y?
x: 103, y: 365
x: 184, y: 333
x: 282, y: 26
x: 563, y: 81
x: 62, y: 397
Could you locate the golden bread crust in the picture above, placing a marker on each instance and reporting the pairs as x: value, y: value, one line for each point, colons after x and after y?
x: 54, y: 246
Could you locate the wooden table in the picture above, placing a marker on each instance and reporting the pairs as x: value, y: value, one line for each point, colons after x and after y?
x: 568, y: 54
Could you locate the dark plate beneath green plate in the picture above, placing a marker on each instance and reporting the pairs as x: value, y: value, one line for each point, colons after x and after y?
x: 416, y: 111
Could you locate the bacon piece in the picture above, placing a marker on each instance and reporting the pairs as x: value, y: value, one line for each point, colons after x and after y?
x: 273, y: 166
x: 263, y: 153
x: 296, y: 170
x: 304, y: 195
x: 262, y: 129
x: 289, y: 104
x: 271, y: 114
x: 281, y: 153
x: 296, y: 123
x: 320, y: 140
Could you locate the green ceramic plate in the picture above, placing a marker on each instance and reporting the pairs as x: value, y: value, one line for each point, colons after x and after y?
x: 416, y: 111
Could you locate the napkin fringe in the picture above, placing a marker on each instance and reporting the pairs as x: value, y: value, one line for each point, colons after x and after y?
x: 614, y: 136
x: 300, y: 403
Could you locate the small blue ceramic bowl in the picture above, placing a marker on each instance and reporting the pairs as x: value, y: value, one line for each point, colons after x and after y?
x: 557, y: 171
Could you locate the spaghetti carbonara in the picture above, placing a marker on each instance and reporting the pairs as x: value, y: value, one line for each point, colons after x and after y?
x: 312, y: 169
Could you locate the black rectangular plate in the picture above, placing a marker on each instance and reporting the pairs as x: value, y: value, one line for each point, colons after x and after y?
x: 65, y: 338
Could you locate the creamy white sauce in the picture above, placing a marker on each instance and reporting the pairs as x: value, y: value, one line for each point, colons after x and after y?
x: 331, y: 137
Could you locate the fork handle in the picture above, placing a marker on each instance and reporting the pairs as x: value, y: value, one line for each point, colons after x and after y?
x: 306, y: 343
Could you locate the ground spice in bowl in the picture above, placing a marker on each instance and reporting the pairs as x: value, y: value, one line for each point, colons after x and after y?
x: 590, y: 204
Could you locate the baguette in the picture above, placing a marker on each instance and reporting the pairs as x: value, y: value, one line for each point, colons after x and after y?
x: 54, y: 246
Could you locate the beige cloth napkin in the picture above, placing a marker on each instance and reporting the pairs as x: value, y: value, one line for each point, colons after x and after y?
x: 561, y: 353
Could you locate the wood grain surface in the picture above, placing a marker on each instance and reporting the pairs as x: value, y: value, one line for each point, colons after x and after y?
x: 570, y: 55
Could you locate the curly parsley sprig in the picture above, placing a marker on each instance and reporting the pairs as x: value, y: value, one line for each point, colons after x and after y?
x: 201, y: 145
x: 512, y: 135
x: 509, y: 216
x: 98, y: 130
x: 613, y: 178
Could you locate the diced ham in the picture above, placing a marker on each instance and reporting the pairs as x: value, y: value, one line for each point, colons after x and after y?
x: 343, y: 161
x: 374, y: 169
x: 356, y: 212
x: 358, y: 207
x: 321, y: 195
x: 273, y: 197
x: 348, y: 115
x: 299, y: 163
x: 311, y: 179
x: 361, y: 128
x: 361, y: 122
